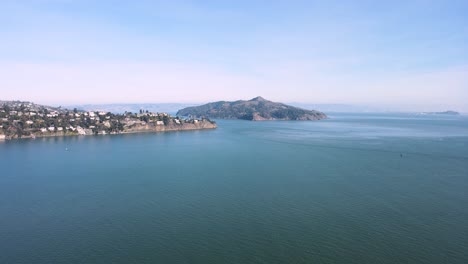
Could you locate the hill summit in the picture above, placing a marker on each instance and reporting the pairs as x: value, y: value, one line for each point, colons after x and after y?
x: 256, y: 109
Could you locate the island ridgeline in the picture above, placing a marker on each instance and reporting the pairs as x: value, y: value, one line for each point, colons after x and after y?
x: 256, y: 109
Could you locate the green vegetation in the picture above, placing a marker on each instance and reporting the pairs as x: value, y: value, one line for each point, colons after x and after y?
x: 255, y: 109
x: 24, y: 119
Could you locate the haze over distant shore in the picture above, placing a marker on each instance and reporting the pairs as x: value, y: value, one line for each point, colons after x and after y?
x: 172, y: 108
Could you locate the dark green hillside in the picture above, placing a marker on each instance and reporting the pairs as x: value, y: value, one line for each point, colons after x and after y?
x: 255, y: 109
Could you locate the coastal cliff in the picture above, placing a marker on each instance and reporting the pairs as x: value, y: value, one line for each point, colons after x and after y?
x: 256, y: 109
x: 198, y: 125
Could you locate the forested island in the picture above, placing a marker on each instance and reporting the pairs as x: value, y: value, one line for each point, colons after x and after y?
x: 256, y: 109
x: 28, y: 120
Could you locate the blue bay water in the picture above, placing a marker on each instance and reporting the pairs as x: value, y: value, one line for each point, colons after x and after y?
x: 357, y: 188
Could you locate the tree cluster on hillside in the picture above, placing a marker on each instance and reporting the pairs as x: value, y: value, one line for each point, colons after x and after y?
x: 18, y: 119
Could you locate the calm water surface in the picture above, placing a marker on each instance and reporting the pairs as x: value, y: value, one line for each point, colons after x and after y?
x: 352, y: 189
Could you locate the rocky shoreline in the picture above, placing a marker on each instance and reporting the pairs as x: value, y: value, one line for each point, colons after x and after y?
x: 200, y: 125
x: 28, y: 120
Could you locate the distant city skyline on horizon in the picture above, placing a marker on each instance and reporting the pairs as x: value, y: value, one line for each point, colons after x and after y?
x: 400, y: 55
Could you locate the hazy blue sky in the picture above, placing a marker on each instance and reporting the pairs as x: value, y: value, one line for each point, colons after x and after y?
x: 409, y: 54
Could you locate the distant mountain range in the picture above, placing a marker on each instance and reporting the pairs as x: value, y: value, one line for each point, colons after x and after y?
x: 171, y: 108
x: 256, y: 109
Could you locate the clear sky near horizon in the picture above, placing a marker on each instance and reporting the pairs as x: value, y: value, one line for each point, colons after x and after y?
x: 409, y: 55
